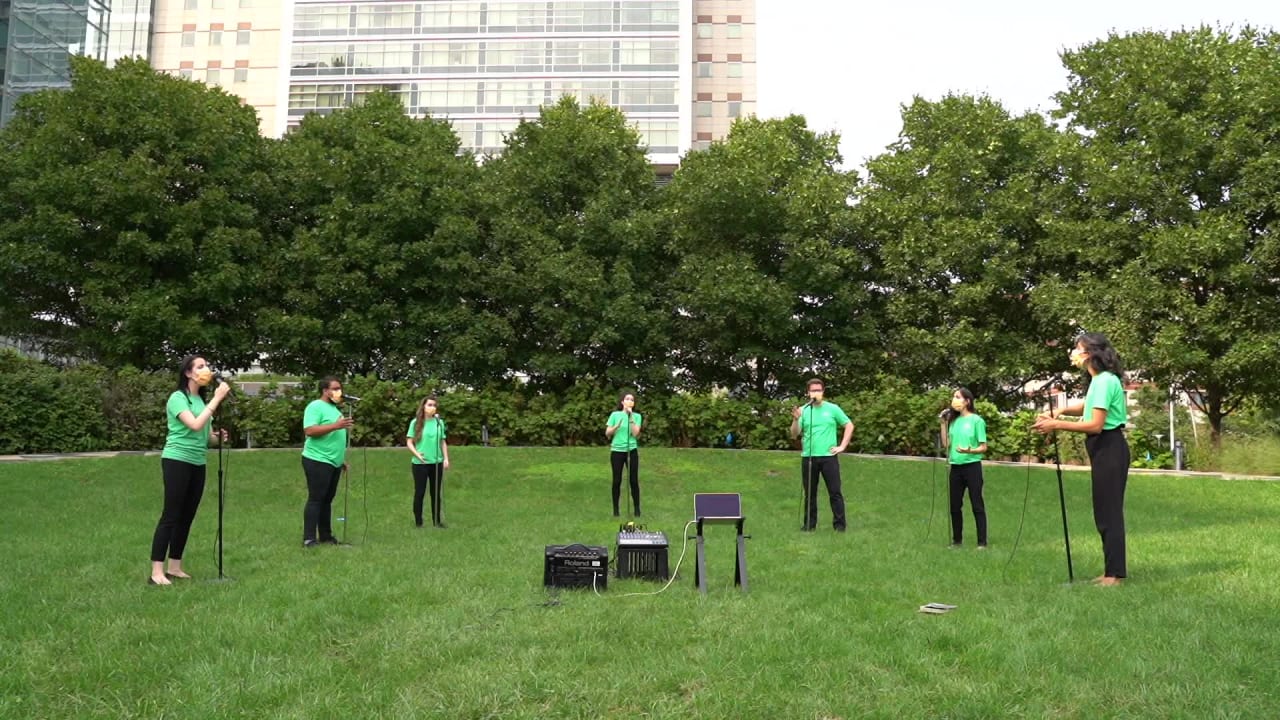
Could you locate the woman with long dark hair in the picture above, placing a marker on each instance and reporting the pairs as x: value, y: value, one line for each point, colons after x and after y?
x: 623, y: 430
x: 1103, y: 415
x: 964, y: 433
x: 182, y: 464
x: 425, y: 438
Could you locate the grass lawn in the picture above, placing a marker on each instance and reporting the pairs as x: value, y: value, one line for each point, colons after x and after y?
x: 455, y: 623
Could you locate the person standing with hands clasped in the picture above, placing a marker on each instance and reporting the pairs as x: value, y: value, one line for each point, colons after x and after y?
x: 426, y: 440
x: 1103, y: 415
x: 623, y: 429
x: 324, y: 455
x: 815, y: 424
x: 182, y: 464
x: 964, y: 433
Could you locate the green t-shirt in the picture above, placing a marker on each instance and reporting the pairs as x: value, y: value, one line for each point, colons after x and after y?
x: 331, y: 447
x: 818, y: 428
x: 1106, y: 392
x: 183, y: 443
x: 433, y: 432
x: 967, y: 431
x: 623, y: 440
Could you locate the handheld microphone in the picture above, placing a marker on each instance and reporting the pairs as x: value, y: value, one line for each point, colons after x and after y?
x: 352, y: 398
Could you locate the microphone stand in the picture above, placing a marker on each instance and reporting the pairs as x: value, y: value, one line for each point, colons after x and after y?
x: 221, y: 489
x: 346, y: 486
x: 439, y: 479
x: 1062, y: 500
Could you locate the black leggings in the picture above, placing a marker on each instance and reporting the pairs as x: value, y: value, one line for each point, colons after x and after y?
x: 183, y: 488
x: 967, y: 476
x: 1109, y: 456
x: 827, y: 466
x: 322, y: 487
x: 424, y: 475
x: 632, y: 460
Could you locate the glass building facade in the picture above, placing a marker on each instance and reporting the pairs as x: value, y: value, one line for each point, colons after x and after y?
x: 36, y: 39
x: 485, y: 64
x: 129, y: 33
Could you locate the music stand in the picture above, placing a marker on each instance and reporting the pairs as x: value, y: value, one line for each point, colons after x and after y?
x: 719, y: 509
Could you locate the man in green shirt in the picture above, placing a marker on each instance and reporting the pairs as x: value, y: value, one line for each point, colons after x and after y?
x: 816, y: 424
x: 324, y: 456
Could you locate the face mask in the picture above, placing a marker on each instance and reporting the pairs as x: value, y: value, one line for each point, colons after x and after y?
x: 429, y: 410
x: 957, y: 404
x: 628, y: 404
x: 1078, y: 358
x: 203, y: 376
x: 336, y: 395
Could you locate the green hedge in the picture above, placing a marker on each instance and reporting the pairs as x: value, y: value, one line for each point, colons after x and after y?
x: 85, y: 408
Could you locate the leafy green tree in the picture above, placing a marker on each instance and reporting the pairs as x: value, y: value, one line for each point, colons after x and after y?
x: 1178, y: 255
x: 771, y: 285
x: 958, y: 208
x: 381, y: 274
x: 574, y: 253
x: 129, y: 229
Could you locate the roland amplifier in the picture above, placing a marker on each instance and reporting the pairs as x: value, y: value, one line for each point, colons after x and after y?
x: 576, y: 566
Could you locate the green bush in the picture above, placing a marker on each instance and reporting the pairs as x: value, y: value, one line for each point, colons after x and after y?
x: 86, y: 408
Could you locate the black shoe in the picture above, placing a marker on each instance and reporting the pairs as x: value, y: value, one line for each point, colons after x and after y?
x: 171, y: 576
x: 441, y: 525
x: 955, y: 545
x: 330, y: 541
x: 839, y: 529
x: 310, y: 543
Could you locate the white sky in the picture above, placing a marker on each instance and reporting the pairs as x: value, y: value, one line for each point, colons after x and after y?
x: 849, y: 65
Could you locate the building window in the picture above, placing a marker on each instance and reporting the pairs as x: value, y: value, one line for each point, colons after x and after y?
x: 735, y: 70
x: 735, y: 109
x: 218, y: 4
x: 188, y: 39
x: 242, y: 37
x: 242, y: 75
x: 704, y: 69
x: 213, y: 76
x: 704, y: 30
x: 703, y: 109
x: 192, y: 4
x: 734, y: 30
x: 246, y: 3
x: 215, y: 37
x: 185, y: 73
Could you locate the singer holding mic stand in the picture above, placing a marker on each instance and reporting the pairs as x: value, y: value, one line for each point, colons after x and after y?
x: 816, y: 423
x: 425, y: 438
x: 623, y: 428
x: 324, y: 454
x: 1103, y: 415
x: 964, y: 433
x: 182, y: 464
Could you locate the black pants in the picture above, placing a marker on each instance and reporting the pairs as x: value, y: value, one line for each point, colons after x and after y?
x: 424, y: 476
x: 322, y: 487
x: 183, y: 488
x: 632, y: 461
x: 967, y: 477
x: 829, y: 468
x: 1109, y: 456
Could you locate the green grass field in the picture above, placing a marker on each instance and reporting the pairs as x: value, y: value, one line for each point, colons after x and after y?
x: 455, y: 623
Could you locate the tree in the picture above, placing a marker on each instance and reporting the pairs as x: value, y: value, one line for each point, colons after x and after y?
x: 381, y: 274
x: 574, y: 252
x: 958, y: 209
x: 1178, y: 256
x: 772, y: 285
x: 129, y: 232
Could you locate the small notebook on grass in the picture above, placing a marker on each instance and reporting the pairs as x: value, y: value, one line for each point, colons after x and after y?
x: 936, y: 608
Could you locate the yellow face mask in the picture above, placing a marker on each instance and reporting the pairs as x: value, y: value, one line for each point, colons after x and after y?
x: 1078, y: 357
x: 336, y: 395
x: 957, y: 404
x: 203, y: 376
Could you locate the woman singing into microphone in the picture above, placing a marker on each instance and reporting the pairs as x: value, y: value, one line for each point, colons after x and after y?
x: 426, y: 440
x: 623, y: 428
x: 182, y: 464
x: 1103, y: 415
x: 964, y: 433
